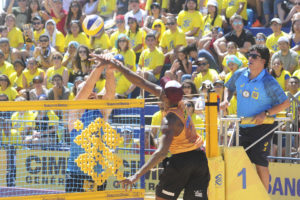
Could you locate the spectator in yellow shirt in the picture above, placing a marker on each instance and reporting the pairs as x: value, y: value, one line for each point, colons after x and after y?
x: 76, y: 34
x: 136, y: 37
x: 15, y: 35
x: 159, y: 28
x: 5, y: 67
x: 120, y: 23
x: 235, y: 7
x: 272, y: 40
x: 38, y: 28
x: 172, y: 39
x: 233, y: 63
x: 100, y: 40
x: 212, y: 19
x: 10, y: 54
x: 190, y: 20
x: 30, y: 72
x: 75, y: 13
x: 7, y: 89
x: 57, y: 39
x: 56, y: 69
x: 17, y: 76
x: 155, y: 13
x: 281, y: 75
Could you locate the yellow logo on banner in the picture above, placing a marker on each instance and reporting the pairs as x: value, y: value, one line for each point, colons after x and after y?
x: 98, y: 150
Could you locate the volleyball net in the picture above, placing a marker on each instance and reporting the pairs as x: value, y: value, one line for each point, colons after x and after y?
x: 53, y: 147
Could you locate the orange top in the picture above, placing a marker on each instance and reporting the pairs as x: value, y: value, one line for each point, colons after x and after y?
x: 188, y: 139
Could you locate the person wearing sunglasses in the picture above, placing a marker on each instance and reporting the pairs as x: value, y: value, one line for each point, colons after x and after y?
x: 155, y: 13
x: 38, y: 28
x: 159, y: 28
x: 243, y: 37
x: 256, y: 87
x: 288, y: 57
x: 74, y: 13
x: 203, y: 72
x: 260, y: 38
x: 172, y: 39
x: 43, y: 52
x: 272, y: 40
x: 57, y: 68
x: 120, y: 23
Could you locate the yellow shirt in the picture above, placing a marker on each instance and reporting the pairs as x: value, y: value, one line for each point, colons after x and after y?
x: 81, y: 39
x: 129, y: 57
x: 103, y: 42
x: 29, y: 77
x: 102, y: 7
x: 232, y: 108
x: 111, y: 6
x: 7, y: 69
x: 15, y: 37
x: 297, y: 73
x: 151, y: 60
x: 51, y: 72
x: 190, y: 20
x: 100, y: 84
x: 232, y: 7
x: 272, y: 43
x: 71, y: 96
x: 11, y: 92
x: 208, y: 26
x: 60, y: 41
x: 282, y: 78
x: 156, y: 120
x: 136, y: 39
x: 16, y: 81
x: 163, y: 3
x: 210, y: 75
x: 37, y: 35
x: 171, y: 40
x: 240, y: 56
x: 114, y: 37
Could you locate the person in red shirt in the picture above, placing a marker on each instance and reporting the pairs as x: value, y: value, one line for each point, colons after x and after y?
x: 58, y: 14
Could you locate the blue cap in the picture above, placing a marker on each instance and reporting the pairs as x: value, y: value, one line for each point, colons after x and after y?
x: 119, y: 57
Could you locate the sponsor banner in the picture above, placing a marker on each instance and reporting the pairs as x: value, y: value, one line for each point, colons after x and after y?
x: 284, y: 181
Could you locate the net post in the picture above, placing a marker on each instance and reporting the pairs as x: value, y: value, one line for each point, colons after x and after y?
x: 142, y: 143
x: 211, y: 121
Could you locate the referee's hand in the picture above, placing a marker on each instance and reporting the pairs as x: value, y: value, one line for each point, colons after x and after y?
x: 128, y: 182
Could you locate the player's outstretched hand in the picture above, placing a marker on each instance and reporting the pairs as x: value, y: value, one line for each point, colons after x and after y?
x: 103, y: 59
x: 128, y: 182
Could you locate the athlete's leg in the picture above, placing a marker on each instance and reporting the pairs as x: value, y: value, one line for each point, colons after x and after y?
x: 263, y: 173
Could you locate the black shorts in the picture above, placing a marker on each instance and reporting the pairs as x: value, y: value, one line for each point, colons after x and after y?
x: 188, y: 171
x: 81, y: 183
x: 259, y: 152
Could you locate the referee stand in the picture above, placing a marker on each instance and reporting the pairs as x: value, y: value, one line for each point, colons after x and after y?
x: 233, y: 176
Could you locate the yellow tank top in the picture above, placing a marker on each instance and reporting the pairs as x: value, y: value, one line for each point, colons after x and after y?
x: 188, y: 139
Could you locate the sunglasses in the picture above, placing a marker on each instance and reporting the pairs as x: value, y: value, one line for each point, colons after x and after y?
x: 253, y: 55
x: 82, y: 51
x: 189, y: 105
x: 119, y: 21
x: 260, y: 39
x: 44, y: 40
x: 36, y: 23
x: 237, y: 23
x: 170, y: 23
x: 37, y: 82
x: 186, y: 87
x: 152, y: 7
x: 56, y: 58
x: 201, y: 64
x: 293, y: 82
x: 157, y: 26
x: 122, y: 40
x: 75, y: 6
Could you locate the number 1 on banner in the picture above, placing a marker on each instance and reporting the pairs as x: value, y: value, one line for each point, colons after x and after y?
x: 243, y: 173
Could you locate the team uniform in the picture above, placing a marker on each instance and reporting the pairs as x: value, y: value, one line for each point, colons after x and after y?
x: 187, y: 168
x: 262, y: 93
x: 171, y: 40
x: 77, y: 180
x: 190, y: 20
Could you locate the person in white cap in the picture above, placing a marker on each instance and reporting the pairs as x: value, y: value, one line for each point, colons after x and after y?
x: 212, y: 19
x: 288, y: 57
x: 178, y: 136
x: 272, y: 39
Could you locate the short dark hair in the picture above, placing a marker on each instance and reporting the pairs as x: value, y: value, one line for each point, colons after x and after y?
x: 296, y: 78
x: 5, y: 78
x: 57, y: 76
x: 185, y: 4
x: 191, y: 47
x: 263, y: 51
x: 150, y: 35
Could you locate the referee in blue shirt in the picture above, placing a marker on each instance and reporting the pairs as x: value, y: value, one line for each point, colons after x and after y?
x: 258, y: 95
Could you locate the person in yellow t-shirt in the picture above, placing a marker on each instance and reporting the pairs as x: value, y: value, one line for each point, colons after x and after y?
x: 297, y: 73
x: 76, y: 34
x: 233, y: 63
x: 100, y: 40
x: 38, y: 28
x: 232, y: 7
x: 120, y: 23
x: 15, y: 35
x: 172, y: 39
x: 212, y: 19
x: 203, y: 73
x: 30, y: 72
x: 190, y: 20
x: 151, y: 60
x: 136, y: 37
x: 56, y: 69
x: 17, y: 76
x: 272, y: 40
x: 5, y: 67
x: 159, y: 27
x: 106, y: 8
x: 282, y: 76
x: 57, y: 39
x: 232, y: 49
x: 163, y: 3
x: 6, y: 88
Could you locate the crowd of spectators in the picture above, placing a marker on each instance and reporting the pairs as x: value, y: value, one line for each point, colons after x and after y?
x: 44, y: 53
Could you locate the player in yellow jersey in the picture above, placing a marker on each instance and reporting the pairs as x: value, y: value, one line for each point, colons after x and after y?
x: 179, y: 137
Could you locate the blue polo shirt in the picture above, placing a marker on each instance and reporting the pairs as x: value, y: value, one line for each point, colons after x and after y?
x: 256, y: 95
x: 75, y: 150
